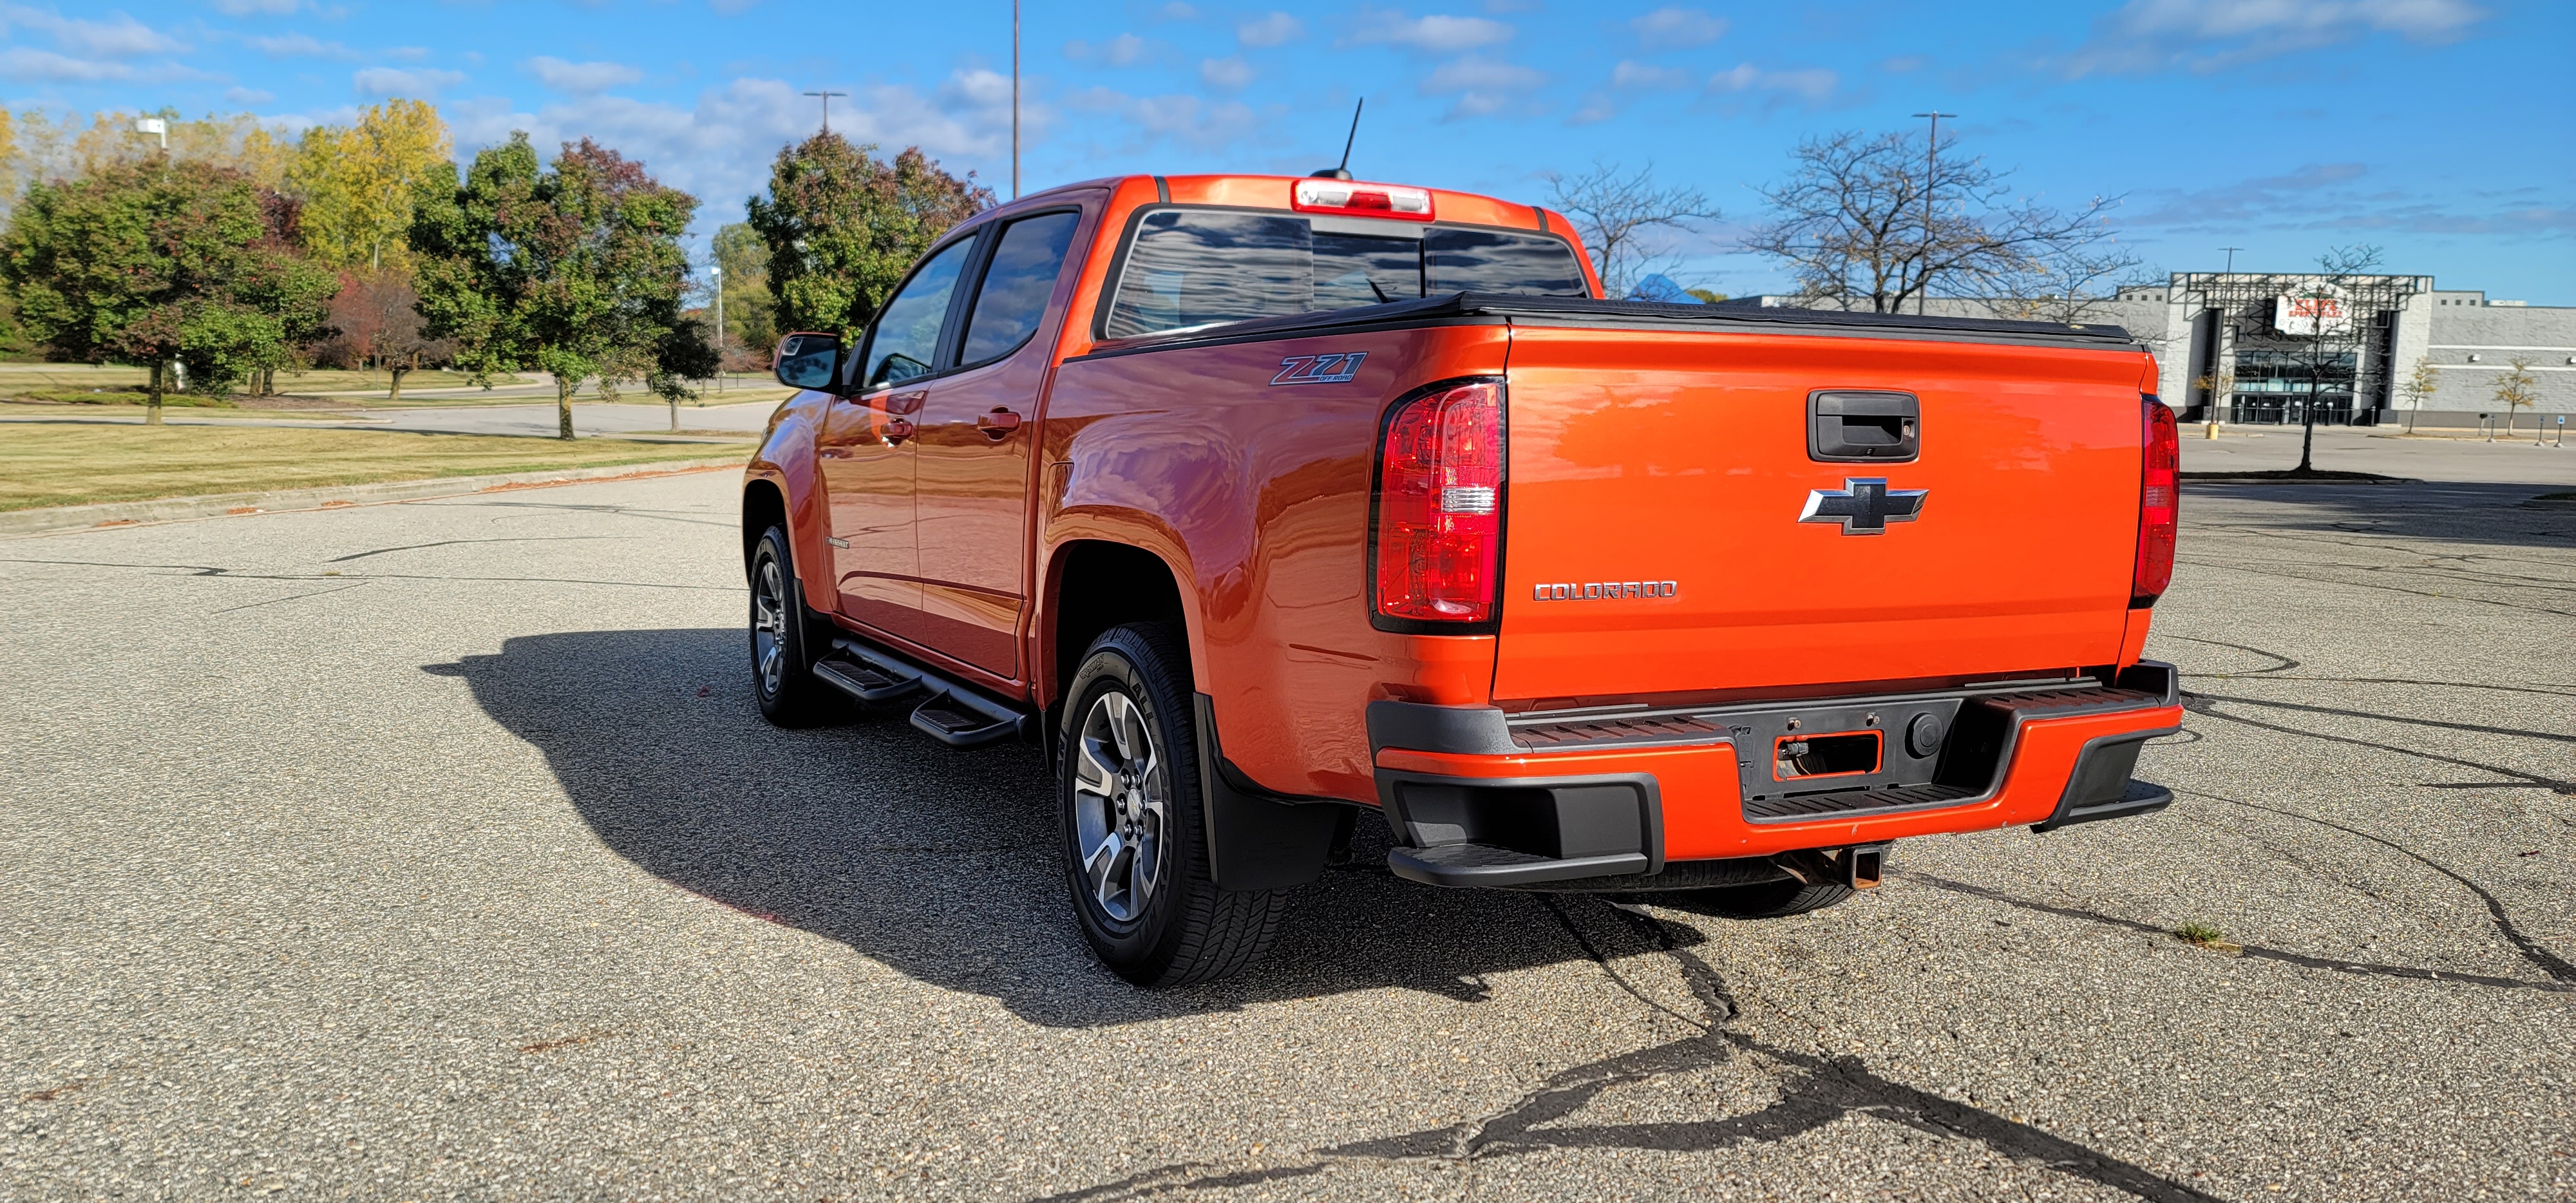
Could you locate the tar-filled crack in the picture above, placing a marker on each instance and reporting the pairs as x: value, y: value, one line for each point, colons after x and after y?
x: 2275, y: 571
x: 2255, y: 951
x: 2548, y: 962
x: 235, y: 574
x: 1814, y: 1090
x: 2207, y: 704
x: 2481, y: 728
x: 455, y: 542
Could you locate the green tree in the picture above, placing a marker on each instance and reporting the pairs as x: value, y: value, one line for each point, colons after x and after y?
x: 575, y: 270
x: 843, y: 226
x: 751, y: 323
x: 160, y: 261
x: 357, y: 182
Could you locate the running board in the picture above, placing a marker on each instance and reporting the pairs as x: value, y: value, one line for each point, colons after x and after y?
x: 951, y: 712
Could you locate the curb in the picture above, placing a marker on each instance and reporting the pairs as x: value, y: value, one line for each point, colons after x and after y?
x: 56, y: 519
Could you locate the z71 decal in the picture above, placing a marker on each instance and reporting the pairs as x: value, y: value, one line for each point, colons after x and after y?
x: 1319, y: 369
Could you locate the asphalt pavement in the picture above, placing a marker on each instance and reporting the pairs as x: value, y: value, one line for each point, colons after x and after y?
x: 435, y: 850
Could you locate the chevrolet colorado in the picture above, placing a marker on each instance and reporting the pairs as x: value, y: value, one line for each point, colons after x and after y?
x: 1268, y: 503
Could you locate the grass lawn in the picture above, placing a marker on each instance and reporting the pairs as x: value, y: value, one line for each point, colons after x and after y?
x: 43, y: 464
x: 108, y: 384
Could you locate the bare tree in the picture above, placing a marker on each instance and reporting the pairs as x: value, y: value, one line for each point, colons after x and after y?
x: 1866, y: 223
x: 2329, y: 330
x: 1626, y: 220
x: 2218, y: 384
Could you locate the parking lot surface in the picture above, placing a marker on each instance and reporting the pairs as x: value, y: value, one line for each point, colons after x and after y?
x: 435, y: 850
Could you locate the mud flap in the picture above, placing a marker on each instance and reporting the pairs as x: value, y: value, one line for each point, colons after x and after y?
x: 1258, y: 840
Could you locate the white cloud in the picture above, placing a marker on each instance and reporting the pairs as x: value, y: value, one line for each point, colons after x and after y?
x: 396, y: 81
x: 1177, y: 11
x: 1483, y: 86
x: 248, y: 96
x: 580, y: 79
x: 21, y: 65
x: 1677, y: 28
x: 2211, y: 35
x: 123, y: 37
x: 1647, y: 78
x: 1225, y: 74
x: 1192, y: 122
x: 1269, y: 29
x: 1811, y: 84
x: 294, y: 45
x: 719, y: 148
x: 1431, y: 35
x: 1125, y: 50
x: 244, y: 8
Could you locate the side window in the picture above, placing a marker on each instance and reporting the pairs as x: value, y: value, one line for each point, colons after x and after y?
x: 1014, y: 294
x: 906, y: 342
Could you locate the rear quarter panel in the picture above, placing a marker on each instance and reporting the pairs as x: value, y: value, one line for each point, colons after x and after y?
x: 1257, y: 496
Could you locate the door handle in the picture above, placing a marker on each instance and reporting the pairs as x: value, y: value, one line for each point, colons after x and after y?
x: 897, y: 430
x: 998, y: 424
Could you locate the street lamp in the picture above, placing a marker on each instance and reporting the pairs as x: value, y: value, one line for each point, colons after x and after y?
x: 156, y: 126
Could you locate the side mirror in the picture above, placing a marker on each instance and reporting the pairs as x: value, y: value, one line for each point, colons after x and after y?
x: 806, y: 360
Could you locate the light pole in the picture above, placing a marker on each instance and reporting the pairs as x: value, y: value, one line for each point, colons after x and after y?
x: 1015, y: 99
x: 715, y: 272
x: 827, y: 107
x: 2218, y: 349
x: 1931, y: 180
x: 158, y: 127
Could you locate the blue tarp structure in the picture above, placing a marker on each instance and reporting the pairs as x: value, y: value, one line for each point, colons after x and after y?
x: 1659, y: 287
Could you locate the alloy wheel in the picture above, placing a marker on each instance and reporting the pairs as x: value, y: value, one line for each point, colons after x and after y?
x: 1121, y: 796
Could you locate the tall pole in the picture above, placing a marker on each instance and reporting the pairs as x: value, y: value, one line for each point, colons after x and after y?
x: 827, y: 107
x: 1931, y: 181
x: 2218, y: 347
x: 715, y: 272
x: 1015, y: 99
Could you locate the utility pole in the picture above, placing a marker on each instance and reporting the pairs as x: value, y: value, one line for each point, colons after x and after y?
x: 1015, y: 99
x: 827, y: 107
x: 1931, y: 181
x: 715, y: 272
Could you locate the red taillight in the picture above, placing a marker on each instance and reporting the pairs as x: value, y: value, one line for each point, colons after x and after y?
x: 2159, y: 505
x: 1440, y: 506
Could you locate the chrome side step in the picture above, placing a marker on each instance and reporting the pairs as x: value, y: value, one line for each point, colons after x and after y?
x: 949, y: 711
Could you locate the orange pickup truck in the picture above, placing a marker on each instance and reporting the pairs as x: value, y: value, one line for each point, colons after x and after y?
x: 1271, y: 505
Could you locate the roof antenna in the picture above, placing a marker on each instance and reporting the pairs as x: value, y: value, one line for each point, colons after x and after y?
x: 1342, y: 171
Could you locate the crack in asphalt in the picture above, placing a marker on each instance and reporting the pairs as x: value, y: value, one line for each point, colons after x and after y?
x: 291, y: 597
x: 2255, y: 951
x: 454, y: 542
x: 2329, y: 580
x: 2481, y: 728
x: 245, y: 575
x: 1816, y: 1090
x: 2548, y: 962
x: 2206, y: 704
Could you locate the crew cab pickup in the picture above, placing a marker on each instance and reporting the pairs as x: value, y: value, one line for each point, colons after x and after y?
x: 1268, y: 506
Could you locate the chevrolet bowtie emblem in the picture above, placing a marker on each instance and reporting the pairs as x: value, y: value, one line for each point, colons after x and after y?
x: 1864, y: 505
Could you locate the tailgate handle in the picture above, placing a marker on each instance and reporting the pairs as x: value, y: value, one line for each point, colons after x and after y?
x: 1847, y: 426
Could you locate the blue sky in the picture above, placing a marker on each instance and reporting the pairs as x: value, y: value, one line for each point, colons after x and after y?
x: 2431, y: 127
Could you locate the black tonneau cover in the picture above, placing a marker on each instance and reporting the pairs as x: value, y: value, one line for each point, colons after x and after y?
x: 1478, y: 308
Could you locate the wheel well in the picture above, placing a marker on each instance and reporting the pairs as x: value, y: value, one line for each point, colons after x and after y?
x: 1103, y: 585
x: 762, y: 508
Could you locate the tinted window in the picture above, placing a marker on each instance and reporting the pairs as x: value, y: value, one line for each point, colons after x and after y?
x: 1016, y: 286
x: 1191, y: 268
x: 1496, y: 261
x: 1194, y: 269
x: 906, y: 342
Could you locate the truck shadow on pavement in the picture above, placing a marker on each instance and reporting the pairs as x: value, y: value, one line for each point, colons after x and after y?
x: 2442, y: 511
x: 937, y: 862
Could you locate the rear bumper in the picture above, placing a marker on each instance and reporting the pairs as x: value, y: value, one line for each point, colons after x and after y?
x: 1480, y: 806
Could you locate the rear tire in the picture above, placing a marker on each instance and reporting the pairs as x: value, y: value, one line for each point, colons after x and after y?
x: 782, y: 639
x: 1764, y: 900
x: 1133, y: 821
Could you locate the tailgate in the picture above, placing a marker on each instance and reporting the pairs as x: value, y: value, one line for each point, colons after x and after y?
x: 1639, y: 458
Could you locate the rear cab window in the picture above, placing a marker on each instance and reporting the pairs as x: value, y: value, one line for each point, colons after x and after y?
x: 1188, y: 268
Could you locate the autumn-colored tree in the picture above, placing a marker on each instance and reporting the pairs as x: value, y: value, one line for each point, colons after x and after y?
x: 750, y: 314
x: 575, y: 270
x: 843, y: 226
x: 2516, y: 390
x: 2419, y: 387
x: 376, y: 322
x: 357, y: 182
x: 162, y: 260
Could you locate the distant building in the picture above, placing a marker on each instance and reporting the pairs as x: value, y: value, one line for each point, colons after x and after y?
x: 2257, y: 334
